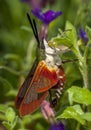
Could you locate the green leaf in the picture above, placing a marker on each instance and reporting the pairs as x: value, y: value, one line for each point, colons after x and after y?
x: 5, y: 86
x: 87, y: 116
x: 78, y: 109
x: 11, y: 56
x: 79, y: 95
x: 71, y: 33
x: 7, y: 125
x: 88, y: 31
x: 10, y: 125
x: 3, y: 108
x: 15, y: 121
x: 10, y: 115
x: 67, y: 38
x: 73, y: 112
x: 58, y: 41
x: 10, y: 70
x: 26, y: 28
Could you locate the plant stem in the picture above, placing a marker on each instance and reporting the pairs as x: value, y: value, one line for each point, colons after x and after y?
x: 83, y: 69
x: 84, y: 74
x: 78, y: 126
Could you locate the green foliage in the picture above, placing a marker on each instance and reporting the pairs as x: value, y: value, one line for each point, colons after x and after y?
x: 71, y: 33
x: 88, y: 31
x: 3, y: 108
x: 76, y: 94
x: 68, y: 38
x: 9, y: 116
x: 79, y: 95
x: 87, y: 116
x: 11, y: 119
x: 73, y: 112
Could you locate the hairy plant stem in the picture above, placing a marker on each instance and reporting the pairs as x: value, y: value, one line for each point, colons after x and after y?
x: 83, y: 69
x: 84, y: 74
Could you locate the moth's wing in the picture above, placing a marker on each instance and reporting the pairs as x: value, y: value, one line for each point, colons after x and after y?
x: 41, y: 80
x: 44, y: 77
x: 29, y: 107
x: 25, y: 85
x: 47, y: 79
x: 32, y: 100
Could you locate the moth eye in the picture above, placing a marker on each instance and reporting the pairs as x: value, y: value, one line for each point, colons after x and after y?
x: 54, y: 101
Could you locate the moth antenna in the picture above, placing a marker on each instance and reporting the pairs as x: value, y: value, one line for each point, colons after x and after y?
x: 66, y: 61
x: 34, y: 28
x: 36, y: 31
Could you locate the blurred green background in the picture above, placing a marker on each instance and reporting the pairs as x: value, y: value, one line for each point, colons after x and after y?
x: 17, y: 52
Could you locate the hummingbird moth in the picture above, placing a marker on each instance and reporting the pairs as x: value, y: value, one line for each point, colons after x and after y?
x: 44, y: 75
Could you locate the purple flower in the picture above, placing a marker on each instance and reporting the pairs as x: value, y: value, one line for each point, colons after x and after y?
x: 49, y: 115
x: 58, y: 126
x: 33, y: 3
x: 46, y: 110
x: 43, y: 3
x: 46, y: 17
x: 83, y: 36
